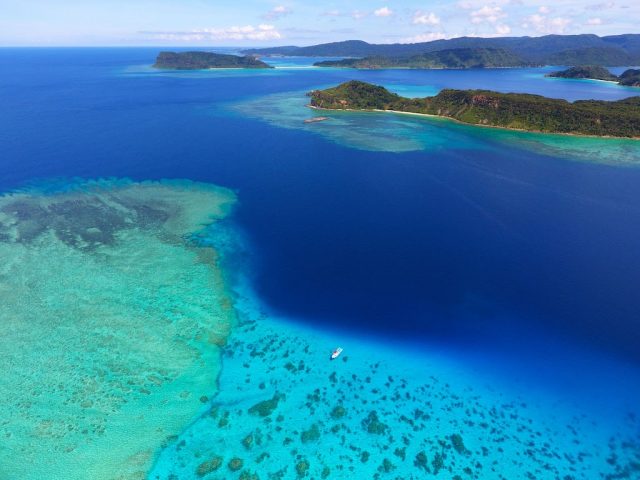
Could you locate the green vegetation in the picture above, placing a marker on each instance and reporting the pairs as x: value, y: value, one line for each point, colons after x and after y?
x: 585, y: 71
x: 483, y: 107
x: 612, y: 56
x: 205, y: 60
x: 630, y: 78
x: 452, y: 58
x: 587, y: 49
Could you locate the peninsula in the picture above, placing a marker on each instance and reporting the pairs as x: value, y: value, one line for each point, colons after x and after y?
x: 483, y: 107
x: 205, y: 60
x: 630, y: 78
x: 457, y: 58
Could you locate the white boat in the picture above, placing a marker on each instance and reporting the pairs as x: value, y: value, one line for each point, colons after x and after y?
x: 336, y: 353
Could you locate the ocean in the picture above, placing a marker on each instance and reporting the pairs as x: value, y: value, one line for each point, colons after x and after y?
x: 483, y: 283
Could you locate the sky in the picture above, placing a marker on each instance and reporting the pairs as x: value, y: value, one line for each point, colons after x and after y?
x: 300, y: 22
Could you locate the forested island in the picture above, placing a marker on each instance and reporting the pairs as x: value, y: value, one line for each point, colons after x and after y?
x: 205, y: 60
x: 592, y: 72
x: 483, y: 107
x: 450, y: 58
x: 630, y: 78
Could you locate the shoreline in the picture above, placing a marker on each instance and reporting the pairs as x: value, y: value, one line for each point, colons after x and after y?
x: 428, y: 115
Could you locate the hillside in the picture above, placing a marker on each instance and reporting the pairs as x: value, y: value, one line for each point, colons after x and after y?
x: 205, y: 60
x: 453, y: 58
x: 630, y: 78
x: 538, y: 50
x: 483, y: 107
x: 609, y: 56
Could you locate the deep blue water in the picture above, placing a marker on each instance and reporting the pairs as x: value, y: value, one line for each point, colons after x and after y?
x: 462, y: 246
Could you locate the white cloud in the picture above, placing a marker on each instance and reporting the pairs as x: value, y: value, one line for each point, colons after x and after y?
x: 425, y: 37
x: 487, y: 13
x: 594, y: 21
x: 383, y: 12
x: 277, y: 12
x: 332, y: 13
x: 420, y: 18
x: 544, y: 10
x: 247, y: 32
x: 358, y: 14
x: 503, y: 29
x: 544, y: 24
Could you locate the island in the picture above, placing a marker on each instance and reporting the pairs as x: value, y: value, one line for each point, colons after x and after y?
x: 457, y: 58
x: 630, y: 78
x: 517, y: 111
x: 205, y: 60
x: 592, y: 72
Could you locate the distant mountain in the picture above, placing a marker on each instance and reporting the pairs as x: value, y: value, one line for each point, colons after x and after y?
x: 610, y: 56
x: 483, y: 107
x: 349, y: 48
x: 585, y: 71
x: 451, y: 58
x: 205, y: 60
x: 531, y: 49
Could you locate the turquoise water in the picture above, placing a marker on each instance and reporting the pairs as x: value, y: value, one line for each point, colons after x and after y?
x: 111, y: 320
x: 481, y: 282
x: 285, y: 411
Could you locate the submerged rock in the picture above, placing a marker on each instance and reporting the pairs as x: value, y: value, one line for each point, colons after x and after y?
x: 248, y: 441
x: 311, y: 435
x: 386, y: 466
x: 421, y: 461
x: 209, y: 466
x: 235, y: 464
x: 458, y: 444
x: 247, y: 475
x: 302, y: 467
x: 338, y: 412
x: 266, y: 407
x: 372, y: 424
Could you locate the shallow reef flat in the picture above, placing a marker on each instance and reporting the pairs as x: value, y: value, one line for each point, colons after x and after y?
x: 400, y: 132
x: 285, y: 411
x: 112, y: 318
